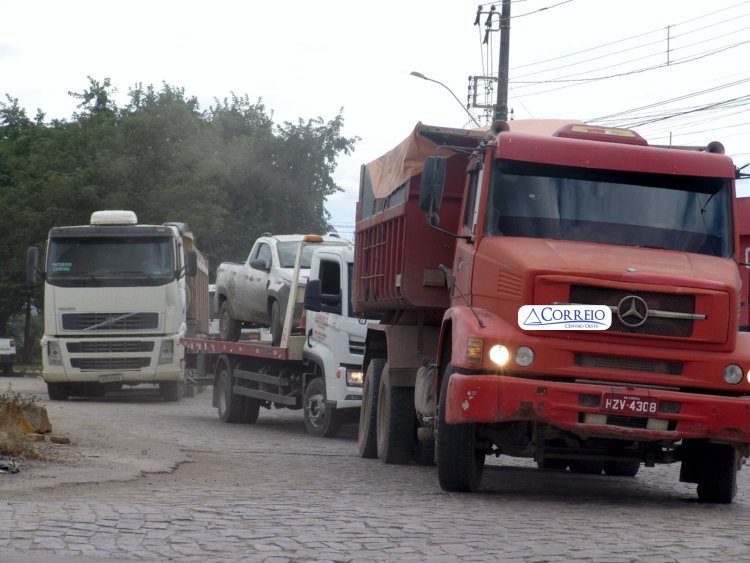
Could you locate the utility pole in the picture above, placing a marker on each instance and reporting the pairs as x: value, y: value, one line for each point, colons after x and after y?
x: 498, y: 109
x: 501, y: 107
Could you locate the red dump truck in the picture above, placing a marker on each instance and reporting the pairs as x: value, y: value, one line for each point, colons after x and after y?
x: 555, y: 291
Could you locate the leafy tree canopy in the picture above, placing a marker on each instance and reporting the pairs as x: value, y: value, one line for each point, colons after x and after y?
x: 229, y: 171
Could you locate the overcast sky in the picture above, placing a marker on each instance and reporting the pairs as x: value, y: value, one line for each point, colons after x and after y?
x: 308, y: 59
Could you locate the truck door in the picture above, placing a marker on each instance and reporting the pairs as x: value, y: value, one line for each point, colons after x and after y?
x: 463, y: 265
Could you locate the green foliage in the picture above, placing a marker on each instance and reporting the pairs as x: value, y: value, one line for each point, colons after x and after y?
x: 230, y: 172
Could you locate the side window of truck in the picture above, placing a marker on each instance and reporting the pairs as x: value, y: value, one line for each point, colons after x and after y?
x: 330, y: 283
x: 472, y: 199
x: 264, y: 253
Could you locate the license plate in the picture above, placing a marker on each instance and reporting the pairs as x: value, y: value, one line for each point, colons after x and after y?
x: 110, y: 377
x: 629, y: 404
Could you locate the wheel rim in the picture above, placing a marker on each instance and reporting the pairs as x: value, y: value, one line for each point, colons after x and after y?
x: 316, y: 410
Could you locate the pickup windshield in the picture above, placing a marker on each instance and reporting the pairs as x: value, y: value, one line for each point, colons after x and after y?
x: 688, y: 214
x: 110, y: 262
x: 288, y: 254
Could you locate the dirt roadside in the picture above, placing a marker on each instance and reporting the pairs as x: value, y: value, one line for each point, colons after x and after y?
x: 95, y: 454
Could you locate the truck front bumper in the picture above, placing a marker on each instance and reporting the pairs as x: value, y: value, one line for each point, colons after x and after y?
x: 580, y: 409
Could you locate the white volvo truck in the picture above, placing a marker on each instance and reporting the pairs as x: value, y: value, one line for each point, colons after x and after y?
x: 115, y: 303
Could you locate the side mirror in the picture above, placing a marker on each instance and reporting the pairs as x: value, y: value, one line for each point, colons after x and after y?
x: 260, y: 264
x: 191, y: 263
x: 33, y: 275
x: 312, y: 295
x: 432, y: 184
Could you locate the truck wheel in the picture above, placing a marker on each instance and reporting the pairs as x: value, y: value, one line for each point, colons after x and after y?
x: 250, y: 410
x: 229, y: 328
x: 622, y: 468
x: 718, y: 479
x: 397, y: 422
x: 460, y: 462
x: 367, y: 443
x: 58, y: 391
x: 170, y: 391
x: 230, y: 406
x: 553, y: 464
x: 586, y: 466
x: 277, y: 326
x: 320, y: 420
x: 8, y: 370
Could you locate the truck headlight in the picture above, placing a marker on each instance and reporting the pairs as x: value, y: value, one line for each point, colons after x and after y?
x: 354, y: 377
x: 54, y: 358
x: 524, y: 356
x: 499, y: 354
x: 733, y: 374
x: 166, y: 352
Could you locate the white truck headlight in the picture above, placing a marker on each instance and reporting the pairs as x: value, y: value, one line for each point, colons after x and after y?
x: 354, y: 377
x: 166, y: 352
x: 54, y: 358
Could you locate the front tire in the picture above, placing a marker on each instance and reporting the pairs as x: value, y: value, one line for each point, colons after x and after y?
x: 58, y: 391
x: 229, y: 328
x: 460, y: 462
x: 367, y: 436
x: 320, y: 420
x: 718, y: 480
x: 397, y: 422
x: 170, y: 391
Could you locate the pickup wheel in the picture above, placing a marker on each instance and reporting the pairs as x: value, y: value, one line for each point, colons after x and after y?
x: 460, y: 461
x: 277, y: 326
x: 718, y: 474
x: 170, y: 391
x: 58, y: 391
x: 320, y: 420
x: 367, y: 444
x: 397, y: 422
x: 229, y: 328
x: 230, y: 406
x: 7, y: 370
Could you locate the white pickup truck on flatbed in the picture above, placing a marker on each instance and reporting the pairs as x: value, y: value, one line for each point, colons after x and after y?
x: 255, y: 293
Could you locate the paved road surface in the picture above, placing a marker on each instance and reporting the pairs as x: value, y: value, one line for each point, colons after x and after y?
x: 153, y: 481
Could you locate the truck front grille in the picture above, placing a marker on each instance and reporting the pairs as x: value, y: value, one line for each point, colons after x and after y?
x: 356, y: 347
x: 102, y: 322
x: 633, y: 364
x: 673, y: 303
x: 110, y: 363
x: 109, y: 347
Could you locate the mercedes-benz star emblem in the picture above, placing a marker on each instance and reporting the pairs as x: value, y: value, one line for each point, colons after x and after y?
x: 632, y: 311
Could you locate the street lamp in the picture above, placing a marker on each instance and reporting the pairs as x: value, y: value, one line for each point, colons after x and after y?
x: 423, y: 77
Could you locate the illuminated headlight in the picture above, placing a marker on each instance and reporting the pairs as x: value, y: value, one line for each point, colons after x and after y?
x: 166, y: 352
x: 733, y: 374
x: 354, y: 378
x: 499, y: 354
x: 53, y: 354
x: 524, y: 356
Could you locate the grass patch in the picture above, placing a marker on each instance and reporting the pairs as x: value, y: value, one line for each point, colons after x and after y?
x: 13, y: 439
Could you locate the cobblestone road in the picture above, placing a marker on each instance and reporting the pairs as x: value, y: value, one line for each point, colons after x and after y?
x: 270, y: 492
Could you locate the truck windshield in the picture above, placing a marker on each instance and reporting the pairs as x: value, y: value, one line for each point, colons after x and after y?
x: 110, y: 261
x: 689, y: 214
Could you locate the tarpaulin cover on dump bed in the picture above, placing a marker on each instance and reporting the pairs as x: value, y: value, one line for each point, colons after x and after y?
x: 407, y: 159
